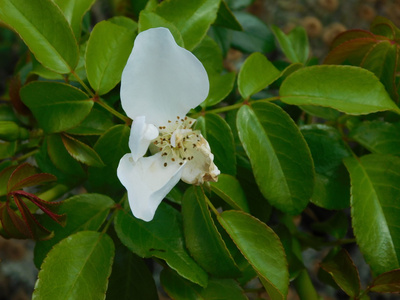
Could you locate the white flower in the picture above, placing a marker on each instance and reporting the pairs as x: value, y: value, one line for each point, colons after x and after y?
x: 161, y: 82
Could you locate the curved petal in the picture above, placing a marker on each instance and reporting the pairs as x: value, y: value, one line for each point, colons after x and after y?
x: 141, y: 136
x: 200, y: 167
x: 161, y: 80
x: 147, y: 182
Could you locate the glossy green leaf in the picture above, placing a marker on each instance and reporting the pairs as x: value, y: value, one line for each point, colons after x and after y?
x: 326, y: 113
x: 228, y: 189
x: 262, y: 248
x: 344, y: 272
x: 332, y: 182
x: 179, y: 288
x: 56, y: 106
x: 130, y: 277
x: 76, y: 268
x: 107, y: 52
x: 375, y: 209
x: 255, y: 37
x: 385, y: 27
x: 256, y: 73
x: 81, y: 152
x: 382, y: 60
x: 150, y: 19
x: 294, y: 45
x: 111, y: 146
x: 388, y: 282
x: 220, y: 87
x: 269, y: 136
x: 84, y: 212
x: 348, y: 89
x: 202, y: 237
x: 378, y: 136
x: 226, y: 18
x: 74, y: 10
x: 96, y: 123
x: 161, y: 238
x: 219, y: 135
x: 192, y: 18
x: 61, y: 158
x: 210, y: 55
x: 45, y: 31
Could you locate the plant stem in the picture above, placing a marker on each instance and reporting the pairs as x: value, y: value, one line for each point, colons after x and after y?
x: 304, y: 287
x: 26, y: 155
x: 112, y: 110
x: 54, y: 193
x: 82, y: 83
x: 210, y: 205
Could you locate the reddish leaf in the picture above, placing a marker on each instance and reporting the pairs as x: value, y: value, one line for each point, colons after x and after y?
x: 20, y: 173
x: 388, y: 282
x: 344, y: 272
x: 4, y: 177
x: 351, y: 35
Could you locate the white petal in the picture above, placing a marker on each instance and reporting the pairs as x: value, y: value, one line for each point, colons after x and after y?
x: 141, y: 136
x: 161, y: 80
x: 147, y: 182
x: 201, y: 167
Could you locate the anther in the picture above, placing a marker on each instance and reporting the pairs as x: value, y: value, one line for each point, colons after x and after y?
x: 165, y: 164
x: 173, y: 159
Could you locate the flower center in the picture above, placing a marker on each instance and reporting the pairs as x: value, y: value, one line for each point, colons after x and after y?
x: 177, y: 141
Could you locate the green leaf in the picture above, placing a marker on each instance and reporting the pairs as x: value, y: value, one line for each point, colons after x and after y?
x: 203, y: 240
x: 220, y: 87
x: 228, y: 189
x: 150, y: 19
x: 192, y: 18
x: 56, y: 106
x: 107, y: 52
x: 61, y: 158
x: 294, y: 45
x: 76, y: 268
x: 255, y: 37
x: 262, y: 248
x: 256, y: 73
x: 130, y: 277
x: 388, y: 282
x: 45, y: 31
x: 111, y: 146
x: 81, y: 152
x: 326, y: 113
x: 344, y: 272
x: 269, y: 135
x: 375, y: 209
x: 161, y: 238
x: 378, y: 136
x: 332, y: 182
x: 219, y: 135
x: 84, y: 212
x: 351, y: 90
x: 96, y: 123
x: 226, y: 18
x: 74, y: 10
x: 179, y: 288
x: 210, y: 55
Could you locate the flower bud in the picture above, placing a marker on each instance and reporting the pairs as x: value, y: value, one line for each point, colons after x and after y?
x: 10, y: 131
